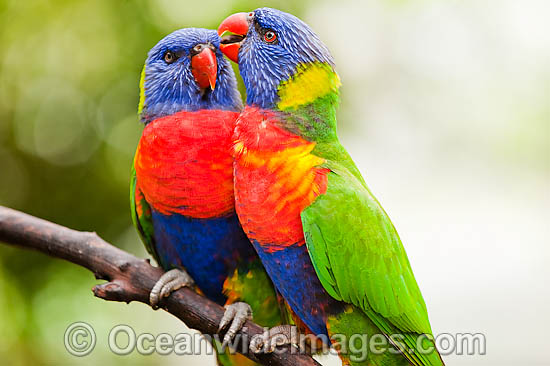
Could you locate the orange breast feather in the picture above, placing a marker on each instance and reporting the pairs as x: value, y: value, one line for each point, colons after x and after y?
x: 183, y: 163
x: 274, y: 181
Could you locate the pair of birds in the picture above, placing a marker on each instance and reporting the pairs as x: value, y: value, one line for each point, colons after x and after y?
x: 261, y: 208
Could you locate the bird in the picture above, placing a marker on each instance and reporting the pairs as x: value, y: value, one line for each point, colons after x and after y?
x: 181, y: 193
x: 325, y: 241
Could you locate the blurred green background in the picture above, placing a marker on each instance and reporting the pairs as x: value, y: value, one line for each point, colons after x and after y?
x: 445, y: 107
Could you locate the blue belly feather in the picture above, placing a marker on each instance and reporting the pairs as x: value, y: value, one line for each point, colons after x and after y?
x: 209, y: 249
x: 294, y: 277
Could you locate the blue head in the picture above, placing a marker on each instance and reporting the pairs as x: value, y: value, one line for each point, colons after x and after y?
x: 269, y: 45
x: 186, y: 71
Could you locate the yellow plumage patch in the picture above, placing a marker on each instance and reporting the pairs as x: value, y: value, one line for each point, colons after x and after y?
x: 233, y: 287
x: 293, y: 168
x: 141, y: 91
x: 310, y: 82
x: 299, y: 155
x: 238, y: 147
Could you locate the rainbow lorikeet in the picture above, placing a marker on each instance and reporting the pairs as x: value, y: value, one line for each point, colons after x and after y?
x: 182, y: 180
x: 325, y: 241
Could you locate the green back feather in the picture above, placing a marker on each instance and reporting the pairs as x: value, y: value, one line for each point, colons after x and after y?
x: 353, y: 245
x: 142, y: 217
x: 360, y: 260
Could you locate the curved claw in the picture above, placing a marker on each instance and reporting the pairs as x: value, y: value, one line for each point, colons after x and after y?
x: 169, y: 282
x: 236, y: 314
x: 280, y: 335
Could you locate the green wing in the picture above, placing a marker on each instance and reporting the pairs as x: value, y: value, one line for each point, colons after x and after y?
x: 359, y: 259
x: 141, y: 216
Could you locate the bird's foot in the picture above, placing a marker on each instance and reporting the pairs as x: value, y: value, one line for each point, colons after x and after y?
x: 279, y: 335
x: 169, y: 282
x: 235, y: 314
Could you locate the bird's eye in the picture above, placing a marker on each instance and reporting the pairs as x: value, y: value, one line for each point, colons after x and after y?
x: 169, y: 57
x: 197, y: 48
x: 270, y: 36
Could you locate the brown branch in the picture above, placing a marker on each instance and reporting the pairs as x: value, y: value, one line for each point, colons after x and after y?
x: 129, y: 278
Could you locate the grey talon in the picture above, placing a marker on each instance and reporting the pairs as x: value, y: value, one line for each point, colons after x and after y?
x: 169, y: 282
x: 235, y: 314
x: 279, y: 335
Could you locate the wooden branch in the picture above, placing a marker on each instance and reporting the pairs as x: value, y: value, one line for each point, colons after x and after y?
x: 129, y: 278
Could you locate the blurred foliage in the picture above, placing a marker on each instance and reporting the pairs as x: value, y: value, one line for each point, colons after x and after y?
x: 69, y: 73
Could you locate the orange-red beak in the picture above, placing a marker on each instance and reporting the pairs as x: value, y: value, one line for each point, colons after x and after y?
x: 205, y: 68
x: 238, y: 25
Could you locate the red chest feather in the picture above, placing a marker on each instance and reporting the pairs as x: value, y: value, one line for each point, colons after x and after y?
x: 184, y: 165
x: 276, y: 178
